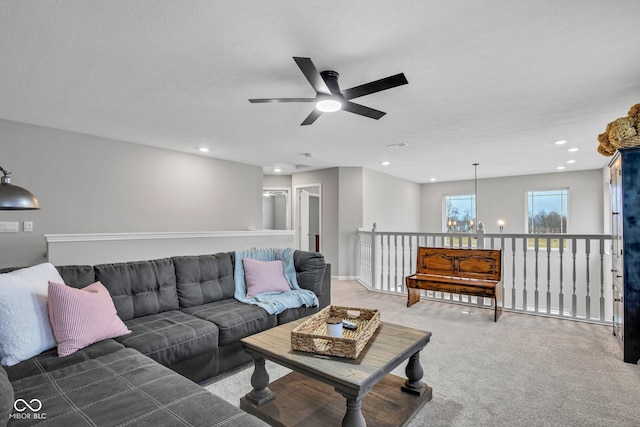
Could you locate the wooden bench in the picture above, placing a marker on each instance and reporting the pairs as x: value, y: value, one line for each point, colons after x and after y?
x: 475, y: 272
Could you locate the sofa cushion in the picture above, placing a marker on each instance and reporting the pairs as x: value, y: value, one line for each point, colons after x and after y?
x: 80, y: 317
x: 49, y: 361
x: 310, y: 270
x: 203, y: 279
x: 6, y: 397
x: 235, y: 320
x: 291, y: 314
x: 25, y: 330
x: 77, y: 276
x: 171, y: 336
x: 140, y: 288
x: 126, y: 388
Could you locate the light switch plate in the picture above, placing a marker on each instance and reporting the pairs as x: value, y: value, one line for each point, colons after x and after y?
x: 9, y: 226
x: 27, y: 226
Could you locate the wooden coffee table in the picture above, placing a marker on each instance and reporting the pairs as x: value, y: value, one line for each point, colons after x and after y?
x: 307, y: 396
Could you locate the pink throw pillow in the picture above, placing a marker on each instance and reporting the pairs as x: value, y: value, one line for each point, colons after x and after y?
x: 264, y: 276
x: 80, y: 317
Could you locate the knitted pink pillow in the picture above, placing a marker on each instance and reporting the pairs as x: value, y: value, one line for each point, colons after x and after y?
x: 264, y: 276
x: 80, y: 317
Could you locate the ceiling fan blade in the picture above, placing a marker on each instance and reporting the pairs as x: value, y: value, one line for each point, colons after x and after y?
x: 377, y: 86
x: 352, y: 107
x: 265, y: 100
x: 311, y: 73
x: 312, y: 117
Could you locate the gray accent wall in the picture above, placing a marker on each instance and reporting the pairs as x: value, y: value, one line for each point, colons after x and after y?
x: 88, y: 184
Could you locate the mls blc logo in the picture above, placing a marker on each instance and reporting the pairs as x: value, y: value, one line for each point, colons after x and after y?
x: 34, y: 406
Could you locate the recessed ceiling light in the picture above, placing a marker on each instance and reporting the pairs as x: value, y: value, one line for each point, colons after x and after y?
x: 560, y: 168
x: 561, y: 142
x: 386, y: 163
x: 573, y: 150
x: 204, y: 149
x: 277, y: 170
x: 571, y: 161
x: 432, y: 179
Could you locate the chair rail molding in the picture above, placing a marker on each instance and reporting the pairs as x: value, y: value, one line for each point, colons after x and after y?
x: 98, y: 248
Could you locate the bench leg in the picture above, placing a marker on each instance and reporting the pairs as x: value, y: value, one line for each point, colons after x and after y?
x: 497, y: 300
x: 413, y: 296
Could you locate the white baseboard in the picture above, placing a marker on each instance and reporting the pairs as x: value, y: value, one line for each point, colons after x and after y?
x: 344, y: 277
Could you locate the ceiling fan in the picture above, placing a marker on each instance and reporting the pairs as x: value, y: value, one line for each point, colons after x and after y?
x: 330, y: 98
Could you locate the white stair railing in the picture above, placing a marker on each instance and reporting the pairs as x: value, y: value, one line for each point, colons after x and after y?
x: 559, y: 275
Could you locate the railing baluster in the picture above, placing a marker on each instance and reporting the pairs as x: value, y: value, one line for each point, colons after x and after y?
x: 502, y: 264
x: 602, y: 280
x: 395, y: 249
x: 587, y: 302
x: 411, y: 257
x: 537, y: 292
x: 513, y: 279
x: 381, y: 262
x: 548, y: 275
x: 574, y: 297
x: 525, y: 245
x: 404, y: 274
x: 561, y: 302
x: 388, y: 262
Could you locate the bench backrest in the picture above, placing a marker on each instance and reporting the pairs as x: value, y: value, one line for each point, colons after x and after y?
x: 469, y: 263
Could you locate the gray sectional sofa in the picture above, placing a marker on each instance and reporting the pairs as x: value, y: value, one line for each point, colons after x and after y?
x: 186, y: 328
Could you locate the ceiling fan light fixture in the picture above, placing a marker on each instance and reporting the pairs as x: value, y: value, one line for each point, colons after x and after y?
x: 328, y: 105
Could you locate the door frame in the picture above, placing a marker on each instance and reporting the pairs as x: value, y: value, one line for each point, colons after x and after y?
x: 297, y: 191
x: 287, y: 194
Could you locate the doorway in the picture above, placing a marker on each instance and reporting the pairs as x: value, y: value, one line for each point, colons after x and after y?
x: 276, y: 209
x: 308, y: 216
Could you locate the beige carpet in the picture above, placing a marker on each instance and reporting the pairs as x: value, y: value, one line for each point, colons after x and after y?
x: 521, y: 371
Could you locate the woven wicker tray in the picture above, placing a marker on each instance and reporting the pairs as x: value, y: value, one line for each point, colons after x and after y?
x: 311, y: 335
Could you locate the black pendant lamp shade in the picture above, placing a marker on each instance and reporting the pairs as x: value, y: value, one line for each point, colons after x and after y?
x: 13, y: 197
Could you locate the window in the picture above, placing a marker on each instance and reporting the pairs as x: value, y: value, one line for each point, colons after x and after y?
x: 460, y: 213
x: 547, y: 211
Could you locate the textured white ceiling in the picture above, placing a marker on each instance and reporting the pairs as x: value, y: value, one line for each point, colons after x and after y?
x: 493, y: 82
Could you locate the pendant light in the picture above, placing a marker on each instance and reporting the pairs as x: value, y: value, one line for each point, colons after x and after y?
x: 13, y: 197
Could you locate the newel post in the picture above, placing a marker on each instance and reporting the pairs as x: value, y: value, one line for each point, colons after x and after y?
x: 373, y: 257
x: 480, y: 236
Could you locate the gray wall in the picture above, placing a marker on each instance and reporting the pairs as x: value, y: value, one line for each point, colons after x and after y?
x: 505, y: 198
x: 88, y: 184
x: 277, y: 181
x: 392, y: 203
x: 350, y: 219
x: 329, y: 240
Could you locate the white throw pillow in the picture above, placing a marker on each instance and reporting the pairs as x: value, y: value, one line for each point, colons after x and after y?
x: 25, y: 330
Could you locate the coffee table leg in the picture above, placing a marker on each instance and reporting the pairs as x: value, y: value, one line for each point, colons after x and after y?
x: 414, y: 374
x: 260, y: 380
x: 353, y: 417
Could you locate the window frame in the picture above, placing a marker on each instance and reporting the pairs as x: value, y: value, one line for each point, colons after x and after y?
x: 470, y: 224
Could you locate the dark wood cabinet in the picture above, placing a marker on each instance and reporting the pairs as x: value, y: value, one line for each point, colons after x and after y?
x: 625, y: 266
